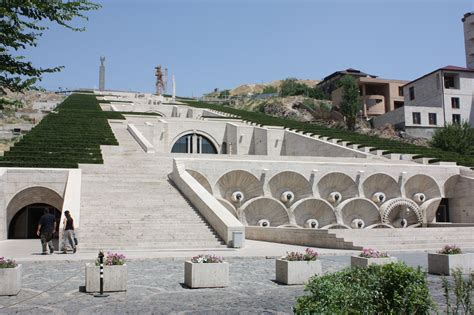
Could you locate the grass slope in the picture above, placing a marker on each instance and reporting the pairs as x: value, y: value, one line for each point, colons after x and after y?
x: 63, y: 139
x: 391, y: 146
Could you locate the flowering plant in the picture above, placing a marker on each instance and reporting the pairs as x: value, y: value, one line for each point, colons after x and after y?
x: 7, y: 263
x: 372, y: 253
x: 207, y: 259
x: 112, y: 259
x: 308, y: 255
x: 450, y: 250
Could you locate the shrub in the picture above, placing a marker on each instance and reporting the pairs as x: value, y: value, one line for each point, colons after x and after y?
x: 389, y: 289
x: 7, y: 263
x: 450, y: 250
x: 207, y: 259
x: 463, y: 290
x: 308, y: 255
x: 269, y: 90
x: 372, y: 253
x: 454, y: 137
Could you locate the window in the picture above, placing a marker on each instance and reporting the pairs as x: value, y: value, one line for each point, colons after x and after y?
x: 398, y: 104
x: 451, y: 81
x: 432, y: 118
x: 455, y: 102
x: 412, y: 93
x: 400, y: 90
x: 416, y: 118
x: 185, y: 145
x: 456, y: 119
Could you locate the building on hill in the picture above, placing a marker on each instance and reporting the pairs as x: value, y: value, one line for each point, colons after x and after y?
x: 331, y: 82
x: 379, y: 96
x: 437, y: 98
x: 445, y: 95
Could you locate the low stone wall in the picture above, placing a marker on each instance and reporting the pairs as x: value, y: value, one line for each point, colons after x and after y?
x: 142, y: 141
x: 213, y: 211
x: 296, y: 236
x: 394, y: 117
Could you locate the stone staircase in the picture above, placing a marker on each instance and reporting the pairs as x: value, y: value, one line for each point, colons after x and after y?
x: 425, y: 239
x: 129, y: 203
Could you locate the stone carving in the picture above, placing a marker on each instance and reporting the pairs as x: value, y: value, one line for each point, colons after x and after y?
x: 337, y: 182
x: 292, y: 182
x: 313, y: 209
x: 267, y: 209
x: 395, y: 210
x: 359, y: 212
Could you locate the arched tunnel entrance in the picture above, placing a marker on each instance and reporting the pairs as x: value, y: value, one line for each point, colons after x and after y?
x: 25, y: 222
x: 26, y: 208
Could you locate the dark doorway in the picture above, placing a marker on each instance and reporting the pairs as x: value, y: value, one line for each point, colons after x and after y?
x: 25, y: 222
x: 442, y: 214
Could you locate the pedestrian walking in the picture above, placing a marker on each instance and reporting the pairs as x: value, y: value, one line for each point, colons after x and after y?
x: 46, y: 228
x: 68, y: 232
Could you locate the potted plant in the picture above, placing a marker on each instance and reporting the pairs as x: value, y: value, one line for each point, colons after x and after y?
x: 370, y: 256
x: 115, y: 274
x: 448, y: 258
x: 297, y: 268
x: 10, y: 277
x: 206, y: 271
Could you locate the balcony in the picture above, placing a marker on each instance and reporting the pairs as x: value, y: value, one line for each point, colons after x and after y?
x: 374, y: 105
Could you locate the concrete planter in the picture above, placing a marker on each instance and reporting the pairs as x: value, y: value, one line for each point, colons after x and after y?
x: 206, y: 275
x: 296, y: 272
x: 115, y: 278
x: 441, y: 264
x: 10, y: 280
x: 357, y: 261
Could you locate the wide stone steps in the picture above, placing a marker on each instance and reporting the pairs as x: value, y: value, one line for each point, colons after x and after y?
x: 129, y: 203
x: 409, y: 239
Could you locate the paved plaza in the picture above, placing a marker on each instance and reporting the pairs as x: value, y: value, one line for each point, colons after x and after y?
x: 156, y: 286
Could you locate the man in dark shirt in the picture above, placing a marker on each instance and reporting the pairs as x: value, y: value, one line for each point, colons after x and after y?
x: 46, y: 228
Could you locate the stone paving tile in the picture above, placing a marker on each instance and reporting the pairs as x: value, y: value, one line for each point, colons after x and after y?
x: 157, y: 287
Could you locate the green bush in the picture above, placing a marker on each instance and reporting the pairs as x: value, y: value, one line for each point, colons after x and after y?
x: 389, y: 289
x: 454, y: 137
x: 269, y: 90
x: 291, y: 87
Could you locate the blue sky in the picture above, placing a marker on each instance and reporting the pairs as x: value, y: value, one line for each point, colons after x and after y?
x: 224, y: 43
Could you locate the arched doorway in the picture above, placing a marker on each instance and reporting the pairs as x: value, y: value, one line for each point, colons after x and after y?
x: 27, y: 206
x: 25, y: 222
x: 194, y: 143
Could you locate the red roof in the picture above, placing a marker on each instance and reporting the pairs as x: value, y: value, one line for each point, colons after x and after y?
x: 454, y: 68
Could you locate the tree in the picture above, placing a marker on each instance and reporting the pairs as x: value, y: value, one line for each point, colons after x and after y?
x: 454, y: 137
x: 20, y: 28
x: 269, y: 90
x: 351, y: 104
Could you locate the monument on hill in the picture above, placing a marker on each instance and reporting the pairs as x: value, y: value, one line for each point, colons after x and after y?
x: 102, y: 74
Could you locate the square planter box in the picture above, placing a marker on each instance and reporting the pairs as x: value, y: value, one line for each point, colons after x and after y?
x: 10, y: 280
x: 115, y: 278
x: 363, y: 262
x: 210, y: 275
x: 296, y: 272
x: 440, y: 264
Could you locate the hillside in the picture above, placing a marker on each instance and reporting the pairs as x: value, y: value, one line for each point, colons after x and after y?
x: 258, y: 88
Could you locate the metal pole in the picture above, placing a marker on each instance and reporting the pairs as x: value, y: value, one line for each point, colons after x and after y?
x: 101, y: 268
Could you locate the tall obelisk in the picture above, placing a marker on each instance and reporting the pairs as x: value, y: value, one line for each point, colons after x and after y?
x: 102, y: 74
x: 174, y: 90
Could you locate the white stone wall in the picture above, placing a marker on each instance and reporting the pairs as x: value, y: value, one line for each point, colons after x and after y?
x: 432, y: 97
x: 394, y: 117
x: 15, y: 180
